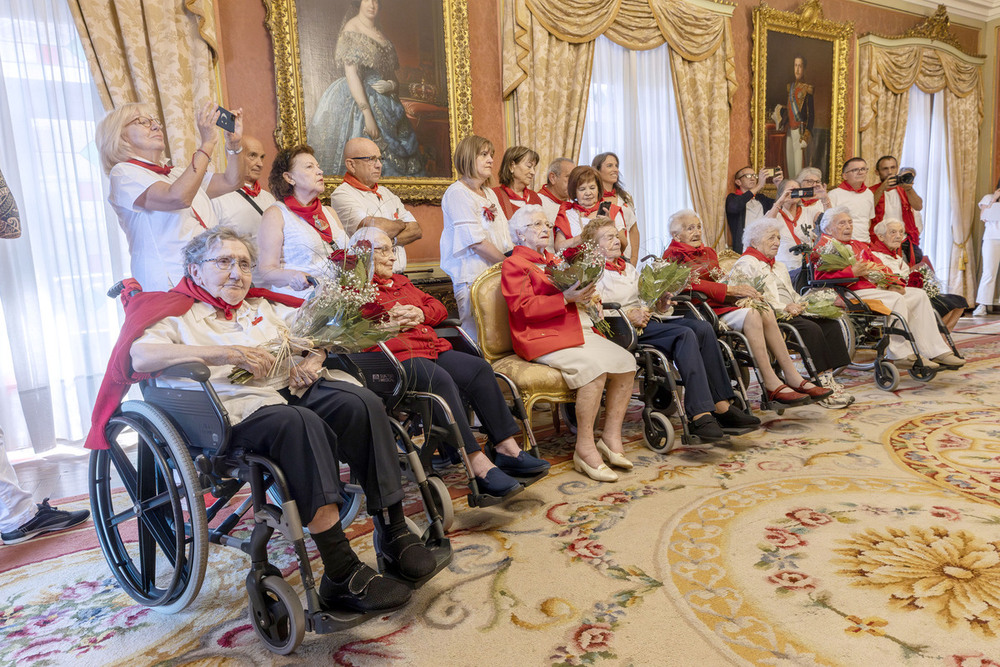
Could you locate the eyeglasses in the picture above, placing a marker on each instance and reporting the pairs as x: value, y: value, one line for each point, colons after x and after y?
x: 750, y: 175
x: 809, y: 182
x: 858, y: 170
x: 382, y: 250
x: 148, y: 123
x: 367, y: 158
x: 226, y: 263
x: 539, y: 224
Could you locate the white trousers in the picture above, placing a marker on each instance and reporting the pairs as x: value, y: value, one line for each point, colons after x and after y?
x: 916, y: 309
x: 15, y: 503
x: 463, y: 300
x: 988, y: 282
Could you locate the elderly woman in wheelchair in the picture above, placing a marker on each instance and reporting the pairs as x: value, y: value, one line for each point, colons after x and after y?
x: 759, y: 326
x: 928, y: 349
x: 822, y: 338
x: 551, y: 327
x: 431, y: 365
x: 305, y: 419
x: 689, y: 343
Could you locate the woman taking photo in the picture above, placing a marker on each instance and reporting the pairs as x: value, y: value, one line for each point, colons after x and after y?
x: 612, y: 190
x: 517, y: 175
x: 160, y: 208
x: 475, y: 234
x: 297, y: 234
x: 551, y: 327
x: 584, y: 187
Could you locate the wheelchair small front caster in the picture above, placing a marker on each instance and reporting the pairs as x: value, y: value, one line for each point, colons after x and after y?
x: 658, y: 433
x: 279, y: 621
x: 886, y: 376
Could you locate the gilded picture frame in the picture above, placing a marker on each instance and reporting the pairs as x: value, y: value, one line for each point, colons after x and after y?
x: 425, y: 49
x: 799, y: 100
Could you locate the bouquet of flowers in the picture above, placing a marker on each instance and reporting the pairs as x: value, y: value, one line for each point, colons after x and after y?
x: 660, y: 277
x: 584, y: 265
x: 340, y: 315
x: 835, y: 256
x: 738, y: 276
x: 924, y: 278
x: 820, y: 303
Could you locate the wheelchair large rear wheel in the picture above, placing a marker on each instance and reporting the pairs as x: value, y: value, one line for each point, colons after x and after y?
x: 155, y: 534
x: 281, y: 623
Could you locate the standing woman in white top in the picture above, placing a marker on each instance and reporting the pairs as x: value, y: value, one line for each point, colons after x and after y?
x: 297, y: 234
x: 475, y: 234
x: 614, y: 191
x: 989, y: 209
x: 160, y: 207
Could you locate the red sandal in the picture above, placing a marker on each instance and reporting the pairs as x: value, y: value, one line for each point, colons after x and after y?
x: 815, y: 393
x: 786, y: 395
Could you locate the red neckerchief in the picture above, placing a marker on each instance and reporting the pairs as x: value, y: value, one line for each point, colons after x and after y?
x: 313, y: 214
x: 877, y: 245
x: 382, y: 282
x: 740, y: 191
x: 163, y: 170
x: 253, y: 190
x: 791, y: 224
x: 534, y: 256
x: 513, y: 195
x: 188, y: 287
x: 844, y: 186
x: 617, y: 265
x: 610, y: 193
x: 351, y: 180
x: 909, y: 220
x: 753, y: 252
x: 807, y: 202
x: 585, y: 212
x: 548, y: 193
x: 702, y: 259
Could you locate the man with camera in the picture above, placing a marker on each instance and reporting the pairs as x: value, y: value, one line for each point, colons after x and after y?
x: 895, y: 199
x: 748, y: 203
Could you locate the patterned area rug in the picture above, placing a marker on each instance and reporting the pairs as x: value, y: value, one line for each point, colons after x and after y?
x: 862, y: 536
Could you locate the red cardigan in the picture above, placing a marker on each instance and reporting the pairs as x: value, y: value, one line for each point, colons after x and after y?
x: 420, y: 341
x: 506, y: 194
x: 540, y: 319
x: 862, y: 252
x: 701, y: 259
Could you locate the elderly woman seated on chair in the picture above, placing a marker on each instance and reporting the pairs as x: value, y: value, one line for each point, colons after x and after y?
x: 888, y: 239
x: 823, y: 338
x: 551, y: 327
x: 690, y: 344
x: 304, y: 423
x: 759, y: 326
x: 433, y: 366
x: 911, y: 303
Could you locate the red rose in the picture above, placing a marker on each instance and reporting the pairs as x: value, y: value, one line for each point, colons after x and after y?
x: 364, y: 244
x: 915, y: 280
x: 569, y: 253
x: 793, y: 579
x: 593, y: 637
x: 586, y: 549
x: 782, y: 538
x: 945, y: 513
x: 808, y: 517
x: 490, y: 212
x: 344, y: 260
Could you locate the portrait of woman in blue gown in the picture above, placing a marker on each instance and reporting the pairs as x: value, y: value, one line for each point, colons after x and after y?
x: 363, y: 100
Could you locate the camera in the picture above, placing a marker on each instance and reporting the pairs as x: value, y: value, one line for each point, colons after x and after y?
x: 905, y: 178
x: 802, y: 193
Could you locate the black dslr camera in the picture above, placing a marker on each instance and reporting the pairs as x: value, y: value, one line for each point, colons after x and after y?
x: 905, y: 178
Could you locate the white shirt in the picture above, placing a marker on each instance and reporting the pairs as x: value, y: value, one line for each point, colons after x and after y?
x: 466, y: 223
x: 787, y: 240
x: 990, y: 215
x: 577, y: 222
x: 156, y: 239
x: 622, y: 288
x: 861, y: 206
x: 257, y: 322
x: 629, y: 220
x: 897, y: 265
x: 551, y: 206
x: 304, y: 248
x: 778, y: 289
x: 233, y: 210
x: 353, y: 206
x: 893, y: 206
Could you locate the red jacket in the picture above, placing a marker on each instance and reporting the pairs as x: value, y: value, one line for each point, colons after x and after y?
x: 420, y: 341
x: 506, y: 194
x: 862, y: 252
x: 540, y: 319
x: 702, y: 260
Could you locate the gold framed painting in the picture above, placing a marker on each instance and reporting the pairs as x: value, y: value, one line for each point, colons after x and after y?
x: 799, y: 98
x: 395, y: 71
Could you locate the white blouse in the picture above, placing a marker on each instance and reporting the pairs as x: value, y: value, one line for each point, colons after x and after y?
x: 466, y: 223
x: 778, y: 288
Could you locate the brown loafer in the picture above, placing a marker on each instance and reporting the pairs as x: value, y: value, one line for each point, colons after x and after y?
x: 815, y: 393
x: 786, y: 395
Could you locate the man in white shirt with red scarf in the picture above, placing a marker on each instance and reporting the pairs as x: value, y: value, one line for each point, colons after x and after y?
x: 895, y: 199
x: 360, y: 202
x: 555, y: 193
x: 853, y: 194
x: 242, y: 209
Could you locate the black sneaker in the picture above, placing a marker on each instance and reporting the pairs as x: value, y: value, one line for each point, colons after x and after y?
x: 736, y: 418
x: 363, y: 590
x: 407, y: 557
x: 706, y: 429
x: 47, y: 519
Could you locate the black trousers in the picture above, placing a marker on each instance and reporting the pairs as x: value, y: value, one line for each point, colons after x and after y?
x: 694, y: 349
x: 457, y: 375
x: 332, y: 422
x: 825, y: 341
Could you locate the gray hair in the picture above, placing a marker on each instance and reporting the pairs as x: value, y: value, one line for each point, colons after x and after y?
x: 882, y: 228
x: 556, y: 166
x: 783, y: 186
x: 675, y: 220
x: 831, y: 213
x: 758, y: 229
x: 198, y: 248
x: 522, y: 218
x: 809, y: 171
x: 370, y: 234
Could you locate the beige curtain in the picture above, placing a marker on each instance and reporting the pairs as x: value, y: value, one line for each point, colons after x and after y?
x: 548, y: 53
x: 888, y: 73
x: 157, y: 51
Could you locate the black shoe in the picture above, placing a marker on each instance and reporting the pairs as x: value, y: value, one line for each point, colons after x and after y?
x: 522, y: 465
x: 363, y: 590
x: 736, y: 418
x: 406, y: 556
x: 498, y: 483
x: 706, y: 429
x: 47, y: 519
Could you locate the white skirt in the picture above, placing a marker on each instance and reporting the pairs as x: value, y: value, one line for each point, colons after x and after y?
x: 735, y: 318
x: 581, y: 364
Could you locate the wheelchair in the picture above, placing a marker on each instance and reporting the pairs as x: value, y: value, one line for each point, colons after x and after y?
x: 412, y: 414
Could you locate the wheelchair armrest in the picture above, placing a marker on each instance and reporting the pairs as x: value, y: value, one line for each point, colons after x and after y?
x: 611, y: 305
x: 451, y: 330
x: 623, y: 332
x: 681, y: 298
x: 451, y: 322
x: 831, y: 282
x: 192, y: 370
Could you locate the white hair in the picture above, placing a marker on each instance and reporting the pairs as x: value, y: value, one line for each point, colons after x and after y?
x: 882, y: 228
x: 675, y: 220
x: 758, y: 229
x: 370, y: 234
x: 522, y: 218
x: 831, y: 213
x: 809, y: 171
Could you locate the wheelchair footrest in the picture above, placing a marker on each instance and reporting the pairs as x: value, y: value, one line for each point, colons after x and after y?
x: 477, y: 499
x: 441, y: 549
x: 739, y: 430
x: 324, y: 622
x: 528, y: 480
